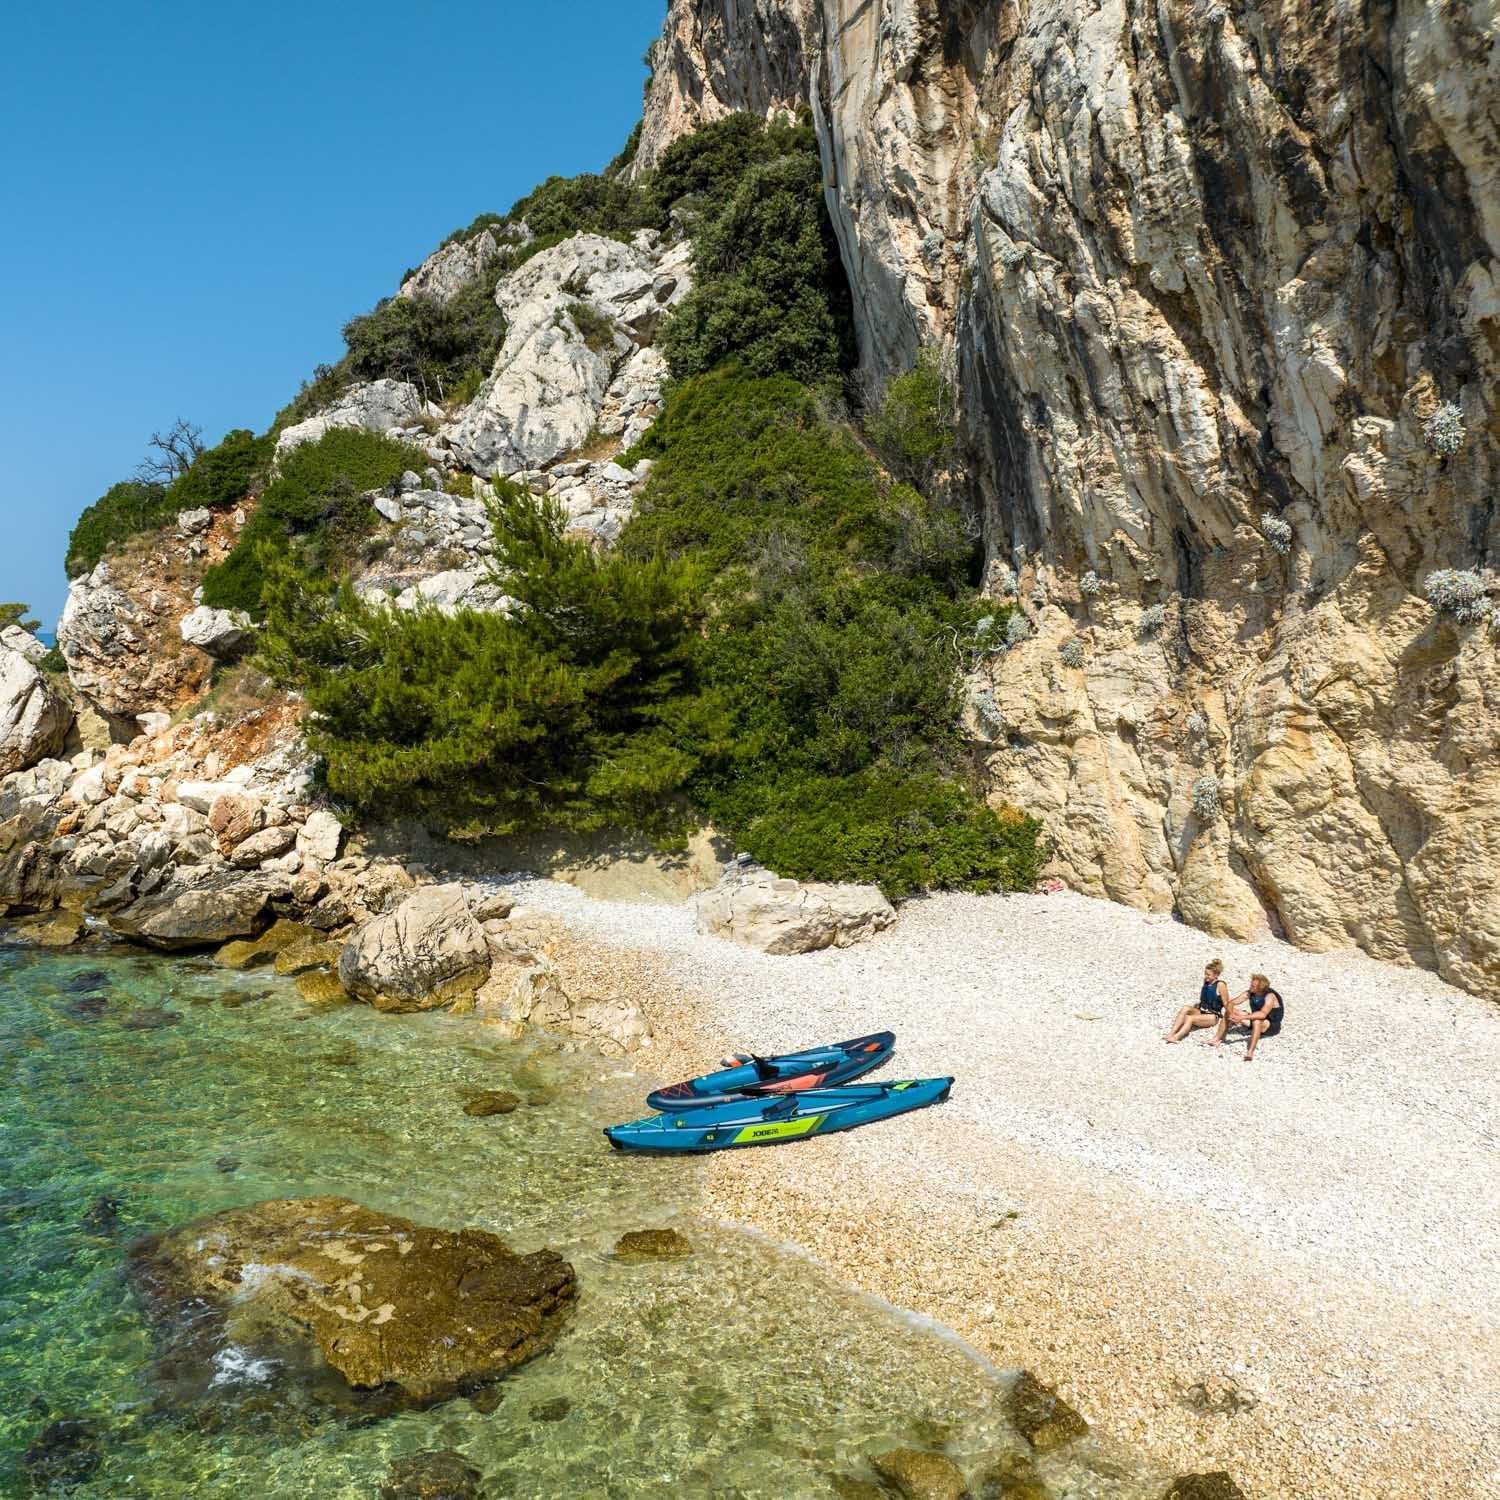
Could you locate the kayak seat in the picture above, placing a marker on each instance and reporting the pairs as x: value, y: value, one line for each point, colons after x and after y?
x: 784, y: 1106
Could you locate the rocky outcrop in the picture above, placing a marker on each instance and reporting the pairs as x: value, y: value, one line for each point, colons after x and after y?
x: 34, y: 716
x: 14, y: 638
x: 196, y: 915
x: 578, y: 318
x: 222, y: 633
x: 392, y: 406
x: 426, y: 953
x: 718, y: 57
x: 1218, y: 292
x: 313, y: 1286
x: 760, y: 910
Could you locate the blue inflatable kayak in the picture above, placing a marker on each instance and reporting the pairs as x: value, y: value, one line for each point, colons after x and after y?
x: 768, y: 1122
x: 818, y: 1067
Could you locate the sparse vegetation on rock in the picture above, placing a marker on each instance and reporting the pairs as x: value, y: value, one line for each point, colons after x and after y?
x: 1206, y: 802
x: 1460, y: 592
x: 1153, y: 617
x: 1444, y: 429
x: 1278, y: 533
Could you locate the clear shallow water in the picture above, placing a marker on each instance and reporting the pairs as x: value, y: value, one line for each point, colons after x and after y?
x: 738, y: 1371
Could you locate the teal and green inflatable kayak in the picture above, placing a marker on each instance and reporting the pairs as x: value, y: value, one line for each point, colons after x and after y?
x: 770, y: 1122
x: 790, y: 1073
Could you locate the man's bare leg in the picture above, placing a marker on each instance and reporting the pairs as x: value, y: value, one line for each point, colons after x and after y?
x: 1256, y: 1029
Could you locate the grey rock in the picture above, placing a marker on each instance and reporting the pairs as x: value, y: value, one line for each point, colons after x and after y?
x: 222, y: 633
x: 198, y: 915
x: 13, y: 638
x: 757, y: 909
x: 427, y: 952
x: 389, y: 507
x: 34, y: 716
x: 377, y: 406
x: 191, y: 522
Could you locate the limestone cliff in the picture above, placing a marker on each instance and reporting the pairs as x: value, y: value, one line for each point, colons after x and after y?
x: 1218, y: 287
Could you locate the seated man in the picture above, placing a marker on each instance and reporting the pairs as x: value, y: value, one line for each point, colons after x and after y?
x: 1263, y: 1015
x: 1210, y: 1006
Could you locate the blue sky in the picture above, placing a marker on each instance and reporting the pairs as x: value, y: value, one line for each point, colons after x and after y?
x: 197, y: 197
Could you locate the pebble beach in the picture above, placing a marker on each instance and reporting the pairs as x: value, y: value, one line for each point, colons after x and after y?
x: 1290, y: 1270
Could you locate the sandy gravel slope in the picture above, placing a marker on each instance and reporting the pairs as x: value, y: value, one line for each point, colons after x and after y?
x: 1291, y: 1267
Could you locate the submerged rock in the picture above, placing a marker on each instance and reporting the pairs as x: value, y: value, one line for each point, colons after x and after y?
x: 1216, y: 1485
x: 1041, y: 1416
x: 326, y: 1290
x: 150, y: 1018
x: 918, y: 1475
x: 753, y: 907
x: 322, y: 987
x: 550, y: 1411
x: 652, y: 1244
x: 63, y: 1454
x: 491, y: 1102
x: 438, y: 1474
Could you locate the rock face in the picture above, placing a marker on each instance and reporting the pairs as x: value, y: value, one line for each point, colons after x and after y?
x: 424, y: 954
x: 753, y: 907
x: 34, y: 716
x: 580, y: 318
x: 394, y: 406
x: 1204, y: 279
x: 412, y: 1314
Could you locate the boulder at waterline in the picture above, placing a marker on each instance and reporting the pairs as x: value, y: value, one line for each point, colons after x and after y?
x: 438, y: 1474
x: 428, y: 952
x: 652, y: 1244
x: 324, y: 1287
x: 249, y: 953
x: 322, y: 987
x: 760, y: 910
x: 918, y: 1475
x: 311, y: 952
x: 1041, y: 1416
x: 491, y: 1102
x: 196, y: 916
x: 1216, y: 1485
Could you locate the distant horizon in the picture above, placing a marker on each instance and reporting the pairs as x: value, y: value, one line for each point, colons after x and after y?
x: 194, y: 249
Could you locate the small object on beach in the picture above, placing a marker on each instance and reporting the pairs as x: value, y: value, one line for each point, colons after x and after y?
x: 1041, y: 1416
x: 491, y: 1102
x: 746, y: 1074
x: 652, y: 1244
x: 781, y: 1118
x: 918, y: 1475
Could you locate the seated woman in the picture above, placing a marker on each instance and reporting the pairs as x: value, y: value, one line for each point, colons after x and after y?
x: 1263, y: 1016
x: 1208, y: 1010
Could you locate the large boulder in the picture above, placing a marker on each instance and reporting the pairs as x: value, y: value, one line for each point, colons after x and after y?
x: 377, y: 406
x: 753, y: 907
x: 222, y: 633
x: 196, y: 916
x: 324, y: 1288
x: 428, y: 952
x: 34, y: 716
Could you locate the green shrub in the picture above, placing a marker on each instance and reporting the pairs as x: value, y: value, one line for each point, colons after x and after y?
x: 219, y: 476
x: 905, y: 833
x: 54, y: 663
x: 118, y: 514
x: 329, y: 382
x: 913, y: 426
x: 435, y: 345
x: 223, y: 475
x: 18, y: 614
x: 595, y: 328
x: 317, y: 498
x: 572, y: 714
x: 699, y: 173
x: 589, y: 202
x: 769, y: 288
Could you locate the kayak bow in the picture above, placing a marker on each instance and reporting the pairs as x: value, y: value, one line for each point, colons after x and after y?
x: 818, y: 1067
x: 769, y: 1122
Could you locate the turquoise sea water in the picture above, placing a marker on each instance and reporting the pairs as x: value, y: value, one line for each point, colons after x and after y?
x: 738, y: 1371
